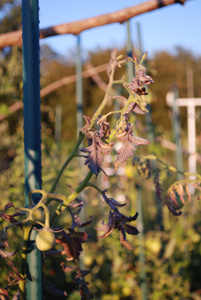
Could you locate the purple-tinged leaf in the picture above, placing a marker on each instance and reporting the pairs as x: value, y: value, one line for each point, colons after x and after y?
x: 88, y: 132
x: 67, y: 268
x: 133, y: 218
x: 146, y: 79
x: 88, y: 122
x: 133, y: 107
x: 119, y: 221
x: 131, y: 230
x: 14, y: 273
x: 18, y: 214
x: 124, y: 153
x: 124, y: 242
x: 127, y: 138
x: 8, y: 218
x: 138, y: 110
x: 104, y: 129
x: 112, y: 65
x: 87, y: 222
x: 3, y: 294
x: 116, y: 203
x: 78, y: 203
x: 6, y: 254
x: 111, y: 201
x: 107, y: 228
x: 83, y: 273
x: 96, y: 149
x: 103, y: 227
x: 8, y: 205
x: 138, y: 141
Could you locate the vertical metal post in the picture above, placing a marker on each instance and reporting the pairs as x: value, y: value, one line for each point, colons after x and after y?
x: 79, y: 87
x: 32, y: 133
x: 191, y: 139
x: 177, y: 132
x: 129, y: 49
x: 141, y: 246
x: 150, y: 131
x: 79, y: 102
x: 130, y: 75
x: 58, y: 122
x: 148, y: 115
x: 189, y: 80
x: 191, y: 124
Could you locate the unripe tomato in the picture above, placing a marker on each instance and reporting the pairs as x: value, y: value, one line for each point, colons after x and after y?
x: 45, y: 239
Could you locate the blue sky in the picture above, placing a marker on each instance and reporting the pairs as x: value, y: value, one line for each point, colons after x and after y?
x: 162, y: 29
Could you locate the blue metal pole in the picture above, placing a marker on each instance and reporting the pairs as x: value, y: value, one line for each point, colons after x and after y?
x: 177, y: 133
x: 79, y: 119
x: 32, y: 134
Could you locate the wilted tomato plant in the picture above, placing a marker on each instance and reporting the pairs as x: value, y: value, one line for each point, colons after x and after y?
x: 66, y: 241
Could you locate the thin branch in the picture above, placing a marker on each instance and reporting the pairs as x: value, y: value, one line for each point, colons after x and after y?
x: 70, y: 79
x: 57, y: 84
x: 15, y: 38
x: 96, y: 78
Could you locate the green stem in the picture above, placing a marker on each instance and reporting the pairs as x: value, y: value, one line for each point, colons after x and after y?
x: 191, y: 174
x: 71, y: 156
x: 82, y: 185
x: 71, y: 197
x: 81, y: 135
x: 95, y: 187
x: 105, y: 99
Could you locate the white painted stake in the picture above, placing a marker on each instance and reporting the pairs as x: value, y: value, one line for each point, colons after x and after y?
x: 191, y: 139
x: 190, y: 103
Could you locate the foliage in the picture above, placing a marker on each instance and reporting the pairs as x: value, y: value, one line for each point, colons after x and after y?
x: 10, y: 15
x: 172, y: 256
x: 63, y: 225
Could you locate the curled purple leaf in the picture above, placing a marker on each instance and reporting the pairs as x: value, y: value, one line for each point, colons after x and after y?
x: 8, y: 205
x: 67, y: 268
x: 127, y: 148
x: 119, y: 221
x: 96, y: 149
x: 4, y: 294
x: 6, y: 254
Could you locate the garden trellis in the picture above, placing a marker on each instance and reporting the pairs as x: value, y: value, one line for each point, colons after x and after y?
x: 31, y: 99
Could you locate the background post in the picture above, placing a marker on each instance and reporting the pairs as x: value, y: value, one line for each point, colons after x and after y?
x: 141, y: 256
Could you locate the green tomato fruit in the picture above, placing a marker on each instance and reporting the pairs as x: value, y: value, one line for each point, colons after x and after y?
x: 45, y: 240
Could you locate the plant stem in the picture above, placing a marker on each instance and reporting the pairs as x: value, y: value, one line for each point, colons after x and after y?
x: 81, y: 135
x: 71, y: 197
x: 71, y: 156
x: 82, y: 185
x: 105, y: 99
x: 95, y: 187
